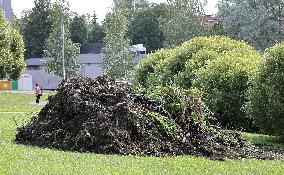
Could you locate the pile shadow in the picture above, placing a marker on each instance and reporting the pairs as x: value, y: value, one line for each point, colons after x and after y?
x: 102, y: 116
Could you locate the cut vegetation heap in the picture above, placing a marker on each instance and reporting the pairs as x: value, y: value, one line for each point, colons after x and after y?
x: 102, y: 116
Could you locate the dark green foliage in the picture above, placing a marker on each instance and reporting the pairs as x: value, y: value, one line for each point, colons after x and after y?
x: 145, y: 26
x: 78, y: 30
x: 101, y: 116
x: 266, y: 96
x: 96, y: 31
x: 218, y: 66
x: 36, y: 27
x: 97, y: 34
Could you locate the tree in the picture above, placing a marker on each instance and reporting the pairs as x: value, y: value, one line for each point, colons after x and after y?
x: 145, y: 26
x: 54, y: 45
x: 78, y: 29
x: 96, y: 31
x: 35, y: 28
x: 11, y: 51
x: 117, y: 55
x: 257, y: 22
x: 183, y: 22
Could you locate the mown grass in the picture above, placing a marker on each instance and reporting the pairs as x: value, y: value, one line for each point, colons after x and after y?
x: 20, y: 102
x: 23, y: 159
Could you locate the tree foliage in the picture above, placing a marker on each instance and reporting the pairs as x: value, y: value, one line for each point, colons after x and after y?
x: 257, y: 22
x: 35, y: 28
x: 266, y: 95
x: 145, y: 26
x: 117, y: 55
x: 183, y: 22
x: 11, y: 51
x: 54, y: 44
x: 96, y: 31
x: 78, y: 29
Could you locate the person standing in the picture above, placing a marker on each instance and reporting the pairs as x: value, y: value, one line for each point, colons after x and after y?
x: 38, y: 92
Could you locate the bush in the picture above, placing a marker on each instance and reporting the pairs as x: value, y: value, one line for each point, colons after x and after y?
x: 266, y: 96
x: 147, y: 66
x: 224, y: 83
x: 219, y: 66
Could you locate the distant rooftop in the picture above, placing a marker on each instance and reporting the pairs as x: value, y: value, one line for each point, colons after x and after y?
x: 210, y: 19
x: 35, y: 61
x: 95, y: 48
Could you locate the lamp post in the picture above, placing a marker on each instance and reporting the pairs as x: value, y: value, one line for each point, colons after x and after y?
x: 62, y: 32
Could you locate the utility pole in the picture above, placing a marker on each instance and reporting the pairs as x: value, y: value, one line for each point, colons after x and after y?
x: 63, y: 59
x: 134, y: 4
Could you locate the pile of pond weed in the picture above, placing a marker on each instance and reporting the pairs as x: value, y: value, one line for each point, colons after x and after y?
x: 102, y: 116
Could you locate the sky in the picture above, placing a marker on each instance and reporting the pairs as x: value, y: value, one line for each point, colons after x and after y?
x: 101, y: 7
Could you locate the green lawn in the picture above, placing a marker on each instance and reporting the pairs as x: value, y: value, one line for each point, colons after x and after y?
x: 22, y: 159
x: 20, y: 102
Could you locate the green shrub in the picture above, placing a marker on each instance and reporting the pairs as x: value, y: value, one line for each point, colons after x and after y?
x: 224, y: 82
x: 266, y: 96
x: 219, y: 66
x: 147, y: 66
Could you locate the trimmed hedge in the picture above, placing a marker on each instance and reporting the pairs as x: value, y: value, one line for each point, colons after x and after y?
x: 218, y: 66
x: 266, y: 96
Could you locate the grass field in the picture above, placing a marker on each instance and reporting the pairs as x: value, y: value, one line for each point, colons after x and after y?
x: 22, y: 159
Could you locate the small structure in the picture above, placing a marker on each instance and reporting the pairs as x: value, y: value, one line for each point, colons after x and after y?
x: 46, y: 80
x: 5, y: 85
x: 139, y: 49
x: 25, y: 83
x: 35, y: 63
x: 210, y: 19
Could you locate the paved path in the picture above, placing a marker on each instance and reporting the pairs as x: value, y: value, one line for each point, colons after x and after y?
x: 41, y: 103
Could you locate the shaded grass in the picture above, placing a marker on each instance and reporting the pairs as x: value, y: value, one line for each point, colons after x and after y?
x: 261, y: 139
x: 22, y: 159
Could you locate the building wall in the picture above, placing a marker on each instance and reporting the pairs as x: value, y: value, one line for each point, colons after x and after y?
x: 7, y: 7
x: 91, y: 70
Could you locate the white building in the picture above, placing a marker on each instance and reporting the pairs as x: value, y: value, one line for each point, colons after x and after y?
x: 5, y: 5
x: 92, y: 67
